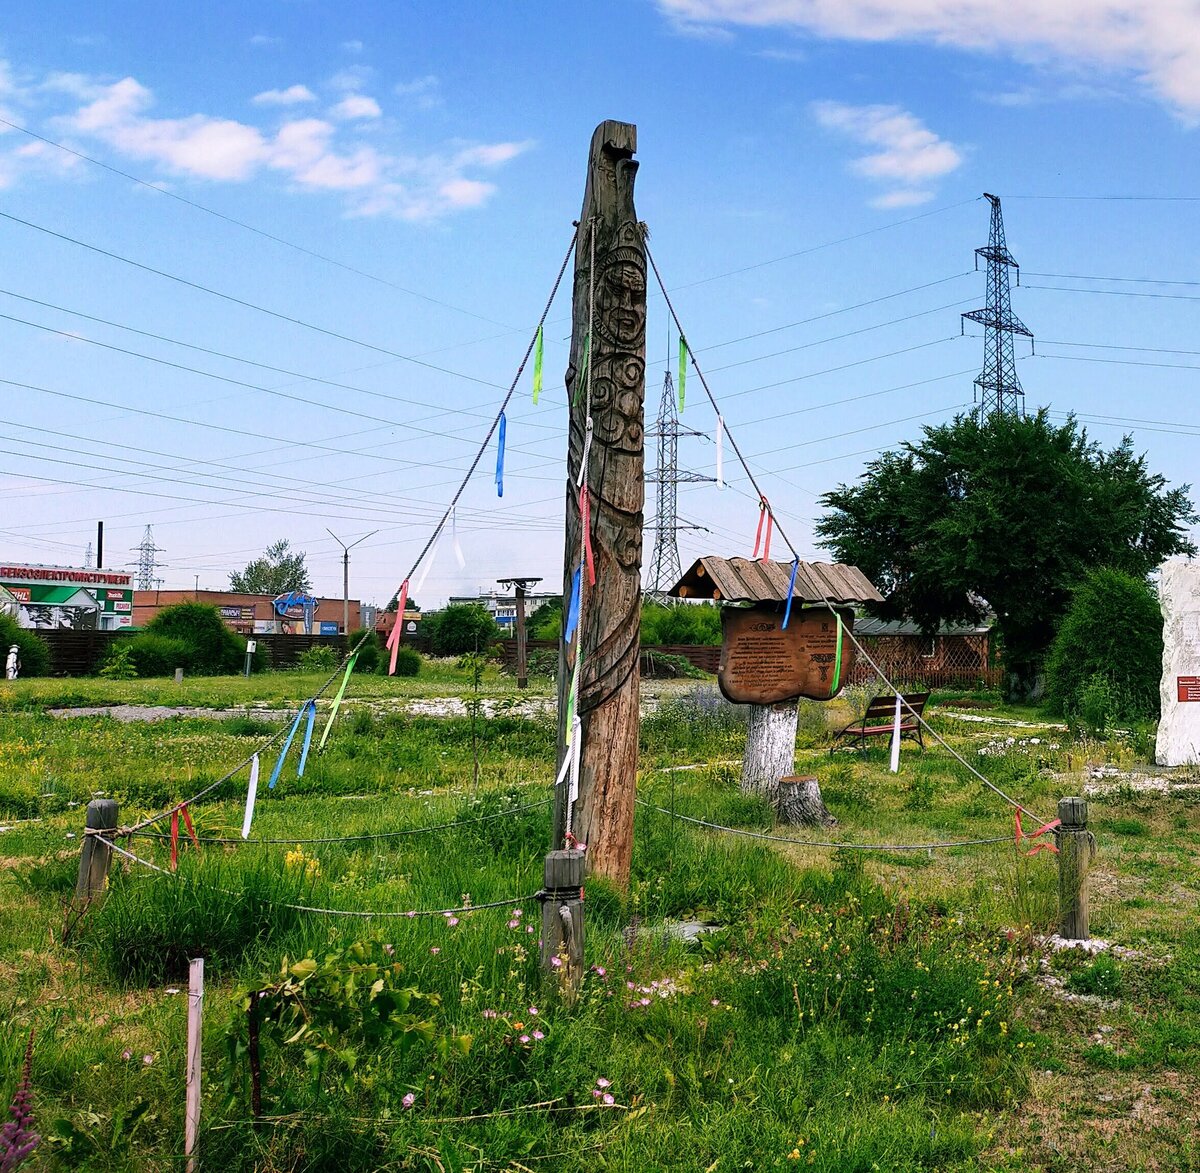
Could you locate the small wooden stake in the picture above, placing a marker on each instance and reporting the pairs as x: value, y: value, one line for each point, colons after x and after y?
x: 562, y: 918
x: 1075, y: 848
x: 194, y: 1037
x: 95, y: 853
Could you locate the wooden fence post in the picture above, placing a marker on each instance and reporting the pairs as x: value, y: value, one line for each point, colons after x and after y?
x: 1076, y: 846
x: 195, y: 1024
x: 562, y: 918
x: 95, y: 853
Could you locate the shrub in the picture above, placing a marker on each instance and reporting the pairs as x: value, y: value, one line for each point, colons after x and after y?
x: 681, y: 623
x: 1106, y: 659
x: 34, y: 653
x: 317, y: 659
x: 215, y: 648
x: 408, y: 663
x: 159, y: 655
x: 547, y: 621
x: 460, y: 628
x: 368, y: 654
x: 117, y: 664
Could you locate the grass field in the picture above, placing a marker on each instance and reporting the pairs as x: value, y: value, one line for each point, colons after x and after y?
x: 852, y: 1010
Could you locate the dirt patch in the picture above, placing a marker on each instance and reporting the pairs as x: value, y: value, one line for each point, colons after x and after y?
x: 127, y: 714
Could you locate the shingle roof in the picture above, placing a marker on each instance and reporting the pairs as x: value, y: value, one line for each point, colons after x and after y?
x: 746, y: 580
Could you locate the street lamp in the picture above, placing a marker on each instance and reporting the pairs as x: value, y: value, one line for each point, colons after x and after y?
x: 346, y: 574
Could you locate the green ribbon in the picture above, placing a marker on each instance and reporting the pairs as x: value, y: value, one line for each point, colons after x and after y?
x: 537, y: 367
x: 572, y: 696
x: 837, y: 659
x: 581, y: 378
x: 683, y: 357
x: 337, y: 700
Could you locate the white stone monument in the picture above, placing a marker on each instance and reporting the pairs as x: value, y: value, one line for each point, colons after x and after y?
x: 1178, y: 741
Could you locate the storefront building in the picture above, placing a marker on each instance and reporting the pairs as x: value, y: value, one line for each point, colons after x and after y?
x: 50, y: 597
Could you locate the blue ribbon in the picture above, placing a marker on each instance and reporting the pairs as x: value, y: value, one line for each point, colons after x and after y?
x: 287, y: 744
x: 573, y: 609
x: 312, y: 716
x: 787, y: 611
x: 500, y: 457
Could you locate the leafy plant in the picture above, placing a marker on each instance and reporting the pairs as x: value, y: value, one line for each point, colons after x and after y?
x: 214, y: 648
x: 460, y: 628
x: 318, y: 658
x: 153, y: 654
x: 119, y: 663
x: 408, y: 662
x: 369, y: 653
x: 338, y: 1012
x: 1101, y: 978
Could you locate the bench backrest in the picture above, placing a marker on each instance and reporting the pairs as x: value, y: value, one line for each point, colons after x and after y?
x: 884, y: 705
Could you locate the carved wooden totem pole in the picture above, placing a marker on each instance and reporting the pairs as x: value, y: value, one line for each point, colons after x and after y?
x: 609, y: 335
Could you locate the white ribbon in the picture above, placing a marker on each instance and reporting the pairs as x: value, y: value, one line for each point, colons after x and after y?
x: 896, y: 739
x: 251, y: 795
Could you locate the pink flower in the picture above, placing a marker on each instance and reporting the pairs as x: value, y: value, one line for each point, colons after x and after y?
x: 452, y: 921
x: 126, y: 1055
x: 524, y: 1038
x: 434, y: 949
x: 529, y: 929
x: 608, y: 1098
x: 716, y: 1002
x: 602, y: 1082
x: 516, y: 912
x: 389, y: 949
x: 147, y: 1060
x: 514, y: 924
x: 645, y: 1001
x: 599, y: 970
x: 629, y: 985
x: 533, y: 1010
x: 409, y: 1100
x: 410, y: 914
x: 537, y: 1034
x: 595, y: 1094
x: 556, y: 962
x: 489, y: 1014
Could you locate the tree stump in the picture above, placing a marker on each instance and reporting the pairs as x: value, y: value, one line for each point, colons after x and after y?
x: 770, y: 748
x: 799, y: 802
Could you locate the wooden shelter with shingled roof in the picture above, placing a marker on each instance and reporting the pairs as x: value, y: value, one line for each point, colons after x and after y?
x: 747, y: 580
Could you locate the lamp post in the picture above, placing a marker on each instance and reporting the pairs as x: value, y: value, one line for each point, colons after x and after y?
x: 346, y: 574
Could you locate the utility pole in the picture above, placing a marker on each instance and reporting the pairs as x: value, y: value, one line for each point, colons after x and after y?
x: 346, y: 576
x: 520, y: 586
x: 998, y: 391
x: 606, y: 388
x: 665, y: 570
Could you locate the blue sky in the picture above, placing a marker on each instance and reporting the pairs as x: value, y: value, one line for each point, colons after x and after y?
x: 811, y: 172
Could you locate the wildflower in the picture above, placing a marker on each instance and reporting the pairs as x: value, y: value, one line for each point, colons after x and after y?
x: 389, y: 949
x: 608, y: 1098
x: 434, y: 949
x: 599, y: 971
x: 452, y: 921
x: 715, y: 1002
x: 524, y: 1038
x: 517, y: 912
x: 537, y: 1034
x: 514, y: 924
x: 529, y: 929
x: 489, y: 1014
x: 533, y: 1009
x: 409, y: 1099
x: 602, y: 1082
x: 556, y: 962
x: 410, y: 914
x: 126, y: 1055
x: 147, y: 1060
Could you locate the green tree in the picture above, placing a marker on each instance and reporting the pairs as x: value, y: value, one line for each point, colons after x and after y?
x: 460, y: 628
x: 280, y: 569
x: 1008, y: 514
x: 32, y: 650
x: 211, y: 647
x: 545, y: 622
x: 692, y: 624
x: 1110, y: 642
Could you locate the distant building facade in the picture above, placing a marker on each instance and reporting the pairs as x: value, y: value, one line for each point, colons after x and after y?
x: 251, y: 614
x: 67, y: 597
x: 503, y: 607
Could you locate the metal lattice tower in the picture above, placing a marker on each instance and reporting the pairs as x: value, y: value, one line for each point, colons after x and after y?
x: 664, y: 570
x: 146, y: 563
x: 997, y: 388
x: 87, y: 557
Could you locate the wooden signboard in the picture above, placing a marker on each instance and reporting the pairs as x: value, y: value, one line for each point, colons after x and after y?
x: 761, y: 664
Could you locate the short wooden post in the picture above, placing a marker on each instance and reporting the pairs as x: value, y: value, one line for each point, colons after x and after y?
x: 562, y: 918
x: 178, y: 675
x: 95, y: 853
x: 1075, y: 847
x: 195, y: 1024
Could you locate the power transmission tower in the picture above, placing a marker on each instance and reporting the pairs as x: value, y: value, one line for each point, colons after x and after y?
x: 665, y: 571
x: 87, y: 557
x: 997, y: 388
x: 146, y: 562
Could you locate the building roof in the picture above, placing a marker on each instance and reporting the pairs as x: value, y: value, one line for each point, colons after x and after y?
x: 746, y: 580
x: 869, y: 626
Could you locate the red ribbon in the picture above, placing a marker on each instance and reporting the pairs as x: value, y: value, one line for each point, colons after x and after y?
x: 187, y: 822
x: 174, y: 839
x: 1020, y: 834
x: 764, y: 514
x: 585, y: 520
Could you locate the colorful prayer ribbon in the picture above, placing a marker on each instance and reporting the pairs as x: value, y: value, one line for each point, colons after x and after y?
x: 394, y: 639
x: 585, y: 522
x: 681, y: 382
x: 337, y: 700
x: 787, y: 609
x: 581, y: 378
x: 287, y: 744
x: 837, y: 656
x: 500, y: 457
x: 251, y: 796
x: 308, y: 732
x: 537, y: 367
x: 573, y: 608
x: 1020, y: 834
x: 895, y: 762
x: 764, y: 515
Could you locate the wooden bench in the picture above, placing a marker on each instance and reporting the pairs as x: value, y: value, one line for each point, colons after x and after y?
x: 880, y: 719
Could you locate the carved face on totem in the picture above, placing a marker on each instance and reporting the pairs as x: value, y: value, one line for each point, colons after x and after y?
x: 621, y: 298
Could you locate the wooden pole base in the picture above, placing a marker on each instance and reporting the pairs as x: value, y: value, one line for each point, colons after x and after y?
x: 561, y: 953
x: 800, y: 804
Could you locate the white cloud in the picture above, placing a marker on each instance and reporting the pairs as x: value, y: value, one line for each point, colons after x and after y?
x: 311, y: 154
x: 354, y: 106
x: 1158, y: 40
x: 351, y: 79
x: 262, y: 40
x: 423, y: 91
x: 352, y: 46
x: 292, y: 96
x: 906, y: 153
